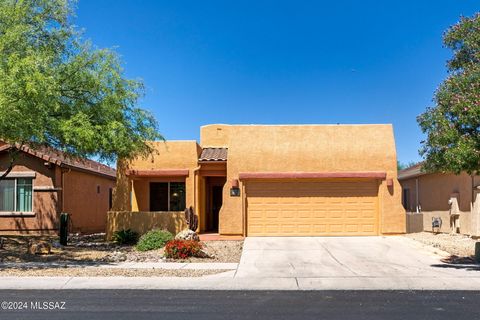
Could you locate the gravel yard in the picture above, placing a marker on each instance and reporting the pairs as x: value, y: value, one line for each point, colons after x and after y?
x: 222, y: 251
x: 15, y: 249
x: 219, y: 251
x: 103, y: 272
x: 93, y: 249
x: 461, y: 247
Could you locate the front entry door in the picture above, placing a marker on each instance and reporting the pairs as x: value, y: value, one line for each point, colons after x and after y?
x: 217, y: 199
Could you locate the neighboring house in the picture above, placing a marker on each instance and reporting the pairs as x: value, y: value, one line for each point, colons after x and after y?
x: 44, y: 183
x: 270, y: 180
x: 440, y: 195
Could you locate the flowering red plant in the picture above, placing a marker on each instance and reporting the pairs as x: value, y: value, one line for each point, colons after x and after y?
x: 182, y: 249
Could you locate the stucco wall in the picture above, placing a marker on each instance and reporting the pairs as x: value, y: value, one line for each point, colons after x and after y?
x: 215, y: 135
x: 309, y: 148
x: 414, y: 222
x: 171, y: 155
x: 434, y: 192
x: 417, y: 222
x: 257, y: 148
x: 143, y: 222
x: 45, y: 203
x: 87, y: 207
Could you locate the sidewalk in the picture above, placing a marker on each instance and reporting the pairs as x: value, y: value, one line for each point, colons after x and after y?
x: 227, y: 281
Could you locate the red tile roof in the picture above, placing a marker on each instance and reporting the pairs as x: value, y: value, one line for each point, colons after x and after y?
x: 214, y: 154
x: 62, y: 159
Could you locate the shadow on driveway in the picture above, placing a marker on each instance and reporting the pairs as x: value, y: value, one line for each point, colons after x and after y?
x: 456, y: 262
x: 468, y: 267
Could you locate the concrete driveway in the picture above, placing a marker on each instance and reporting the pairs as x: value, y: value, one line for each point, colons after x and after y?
x: 372, y: 262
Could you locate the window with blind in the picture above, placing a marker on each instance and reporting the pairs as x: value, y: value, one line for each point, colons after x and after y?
x: 16, y: 195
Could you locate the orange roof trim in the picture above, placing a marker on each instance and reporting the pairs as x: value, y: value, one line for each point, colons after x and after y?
x: 159, y: 173
x: 311, y: 175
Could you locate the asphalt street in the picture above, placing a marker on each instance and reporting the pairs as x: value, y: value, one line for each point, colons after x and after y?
x: 199, y: 305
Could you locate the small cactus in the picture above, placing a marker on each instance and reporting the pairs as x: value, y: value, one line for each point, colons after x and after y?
x: 192, y: 219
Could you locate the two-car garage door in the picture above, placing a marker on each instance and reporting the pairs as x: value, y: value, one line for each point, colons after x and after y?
x: 312, y: 208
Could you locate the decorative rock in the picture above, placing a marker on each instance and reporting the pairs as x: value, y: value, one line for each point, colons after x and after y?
x: 117, y: 256
x: 41, y: 247
x: 187, y: 234
x: 205, y: 254
x: 57, y: 245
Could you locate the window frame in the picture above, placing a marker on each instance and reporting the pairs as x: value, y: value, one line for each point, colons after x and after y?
x: 170, y: 199
x: 14, y: 211
x: 169, y: 194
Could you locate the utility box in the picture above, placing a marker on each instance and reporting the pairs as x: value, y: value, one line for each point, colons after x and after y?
x: 64, y: 221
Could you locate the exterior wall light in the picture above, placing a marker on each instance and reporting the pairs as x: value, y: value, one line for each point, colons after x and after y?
x: 235, y: 189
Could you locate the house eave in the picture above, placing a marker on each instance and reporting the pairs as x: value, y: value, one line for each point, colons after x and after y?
x: 312, y: 175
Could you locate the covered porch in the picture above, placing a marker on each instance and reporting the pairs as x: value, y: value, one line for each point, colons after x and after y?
x: 159, y: 197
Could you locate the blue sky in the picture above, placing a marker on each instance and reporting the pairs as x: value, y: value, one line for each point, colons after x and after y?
x: 280, y: 62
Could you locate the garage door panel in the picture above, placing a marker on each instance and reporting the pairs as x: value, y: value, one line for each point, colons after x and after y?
x: 312, y: 208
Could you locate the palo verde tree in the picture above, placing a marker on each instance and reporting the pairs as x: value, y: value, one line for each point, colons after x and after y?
x: 452, y: 126
x: 58, y: 90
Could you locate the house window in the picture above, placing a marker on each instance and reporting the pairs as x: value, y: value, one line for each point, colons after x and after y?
x: 167, y: 196
x: 16, y: 195
x: 406, y: 199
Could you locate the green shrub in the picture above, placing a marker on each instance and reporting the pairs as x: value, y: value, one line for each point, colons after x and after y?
x: 125, y: 236
x: 182, y: 249
x: 154, y: 239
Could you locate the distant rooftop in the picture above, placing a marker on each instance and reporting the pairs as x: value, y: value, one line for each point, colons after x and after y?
x: 62, y: 159
x: 411, y: 172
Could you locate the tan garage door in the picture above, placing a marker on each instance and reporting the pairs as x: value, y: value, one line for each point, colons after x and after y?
x: 324, y: 208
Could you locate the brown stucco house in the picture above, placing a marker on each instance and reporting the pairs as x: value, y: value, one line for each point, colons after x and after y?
x: 269, y: 180
x: 44, y: 183
x: 450, y: 197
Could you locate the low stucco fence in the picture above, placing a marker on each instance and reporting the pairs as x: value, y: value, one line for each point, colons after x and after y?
x: 144, y: 221
x: 417, y: 222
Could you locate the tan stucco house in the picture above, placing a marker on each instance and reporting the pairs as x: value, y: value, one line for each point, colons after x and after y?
x: 270, y: 180
x: 44, y: 183
x: 452, y: 198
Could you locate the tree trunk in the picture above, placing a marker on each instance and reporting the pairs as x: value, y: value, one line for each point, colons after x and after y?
x: 121, y: 193
x: 13, y: 154
x: 9, y: 169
